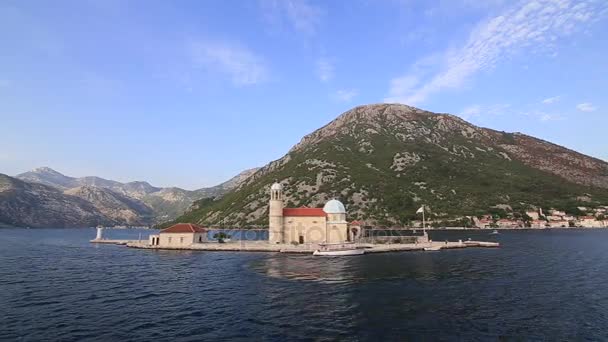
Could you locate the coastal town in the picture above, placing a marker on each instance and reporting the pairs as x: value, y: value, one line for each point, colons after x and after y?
x: 538, y: 219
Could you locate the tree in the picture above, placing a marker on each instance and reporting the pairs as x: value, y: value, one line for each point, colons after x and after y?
x: 221, y: 236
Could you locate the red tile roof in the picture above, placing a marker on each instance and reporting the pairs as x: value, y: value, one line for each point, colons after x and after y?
x: 314, y: 212
x: 184, y: 228
x: 356, y: 223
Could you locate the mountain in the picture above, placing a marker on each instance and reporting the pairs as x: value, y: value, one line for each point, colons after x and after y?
x: 48, y: 176
x: 122, y: 209
x: 385, y: 160
x: 133, y: 203
x: 24, y: 204
x: 169, y: 203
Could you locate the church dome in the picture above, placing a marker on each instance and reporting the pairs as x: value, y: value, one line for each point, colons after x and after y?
x: 334, y: 207
x: 276, y: 186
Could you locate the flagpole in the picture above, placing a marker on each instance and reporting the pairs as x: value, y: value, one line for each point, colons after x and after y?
x: 423, y: 221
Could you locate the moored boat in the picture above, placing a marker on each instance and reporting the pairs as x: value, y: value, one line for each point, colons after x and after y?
x: 432, y: 248
x: 338, y: 249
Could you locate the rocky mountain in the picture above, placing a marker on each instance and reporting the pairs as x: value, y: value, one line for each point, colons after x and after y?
x: 122, y: 209
x: 112, y: 202
x: 24, y: 204
x: 385, y: 160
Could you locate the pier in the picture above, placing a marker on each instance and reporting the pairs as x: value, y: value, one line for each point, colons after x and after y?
x: 264, y: 246
x: 112, y: 242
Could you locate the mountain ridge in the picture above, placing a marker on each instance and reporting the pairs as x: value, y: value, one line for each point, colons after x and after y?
x: 383, y: 160
x: 110, y: 202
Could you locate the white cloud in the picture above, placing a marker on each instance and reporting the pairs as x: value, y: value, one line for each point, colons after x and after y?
x: 325, y: 69
x: 551, y: 100
x: 477, y: 110
x: 540, y: 115
x: 586, y: 107
x: 527, y: 25
x: 549, y: 117
x: 470, y: 111
x: 345, y: 95
x: 243, y: 66
x: 300, y: 15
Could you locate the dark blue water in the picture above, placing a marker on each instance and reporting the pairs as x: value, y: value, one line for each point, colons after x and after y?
x: 550, y: 285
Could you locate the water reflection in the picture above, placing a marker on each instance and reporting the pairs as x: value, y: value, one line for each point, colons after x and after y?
x: 309, y: 268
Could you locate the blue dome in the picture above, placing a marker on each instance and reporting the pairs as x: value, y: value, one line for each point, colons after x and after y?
x: 334, y: 207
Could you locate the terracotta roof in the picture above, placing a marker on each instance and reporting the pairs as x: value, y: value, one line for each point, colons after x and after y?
x: 184, y: 228
x: 315, y: 212
x: 356, y: 223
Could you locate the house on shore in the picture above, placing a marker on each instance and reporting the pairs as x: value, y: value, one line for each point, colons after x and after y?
x: 507, y: 223
x: 589, y: 222
x: 538, y: 224
x: 179, y: 235
x: 533, y: 214
x: 558, y: 224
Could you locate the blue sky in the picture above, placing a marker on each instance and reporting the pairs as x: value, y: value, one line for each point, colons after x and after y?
x: 189, y: 93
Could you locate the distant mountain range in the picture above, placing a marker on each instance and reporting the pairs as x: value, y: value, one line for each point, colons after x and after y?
x: 44, y: 197
x: 385, y: 160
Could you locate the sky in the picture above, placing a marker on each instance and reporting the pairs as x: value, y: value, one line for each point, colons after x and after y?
x: 189, y: 93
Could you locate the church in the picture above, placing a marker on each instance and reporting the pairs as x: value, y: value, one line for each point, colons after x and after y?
x: 305, y: 225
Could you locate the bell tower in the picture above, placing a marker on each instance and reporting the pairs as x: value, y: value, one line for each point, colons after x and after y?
x: 275, y: 215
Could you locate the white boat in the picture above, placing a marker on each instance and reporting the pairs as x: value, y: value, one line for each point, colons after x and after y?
x: 494, y: 232
x: 338, y: 249
x: 432, y: 248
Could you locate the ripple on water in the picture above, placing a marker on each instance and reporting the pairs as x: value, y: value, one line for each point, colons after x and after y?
x: 538, y: 285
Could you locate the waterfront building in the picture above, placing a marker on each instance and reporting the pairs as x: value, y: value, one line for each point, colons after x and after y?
x: 179, y: 235
x: 558, y: 224
x: 589, y: 222
x: 507, y: 223
x: 355, y: 230
x: 533, y: 215
x: 538, y: 224
x: 557, y: 212
x: 305, y: 225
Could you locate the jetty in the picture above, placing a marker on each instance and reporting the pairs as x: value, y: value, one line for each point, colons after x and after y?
x: 196, y: 242
x: 112, y: 242
x: 264, y: 246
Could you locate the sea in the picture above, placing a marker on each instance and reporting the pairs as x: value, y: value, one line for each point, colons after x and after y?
x: 539, y: 285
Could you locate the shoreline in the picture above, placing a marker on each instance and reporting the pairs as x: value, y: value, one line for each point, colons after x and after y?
x: 263, y: 246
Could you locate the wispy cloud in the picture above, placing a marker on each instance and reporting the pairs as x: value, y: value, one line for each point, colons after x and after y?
x: 551, y: 100
x: 534, y: 24
x: 478, y: 110
x: 544, y: 117
x: 345, y: 95
x: 242, y: 65
x: 325, y: 69
x: 299, y: 15
x: 470, y: 111
x: 586, y: 107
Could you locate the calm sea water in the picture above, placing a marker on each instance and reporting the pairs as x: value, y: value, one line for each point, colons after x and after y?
x: 550, y: 285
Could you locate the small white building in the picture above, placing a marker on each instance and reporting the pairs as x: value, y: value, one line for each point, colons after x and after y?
x: 558, y: 224
x: 589, y: 222
x: 533, y: 215
x: 179, y: 235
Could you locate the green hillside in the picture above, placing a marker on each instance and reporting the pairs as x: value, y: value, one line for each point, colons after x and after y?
x: 384, y: 161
